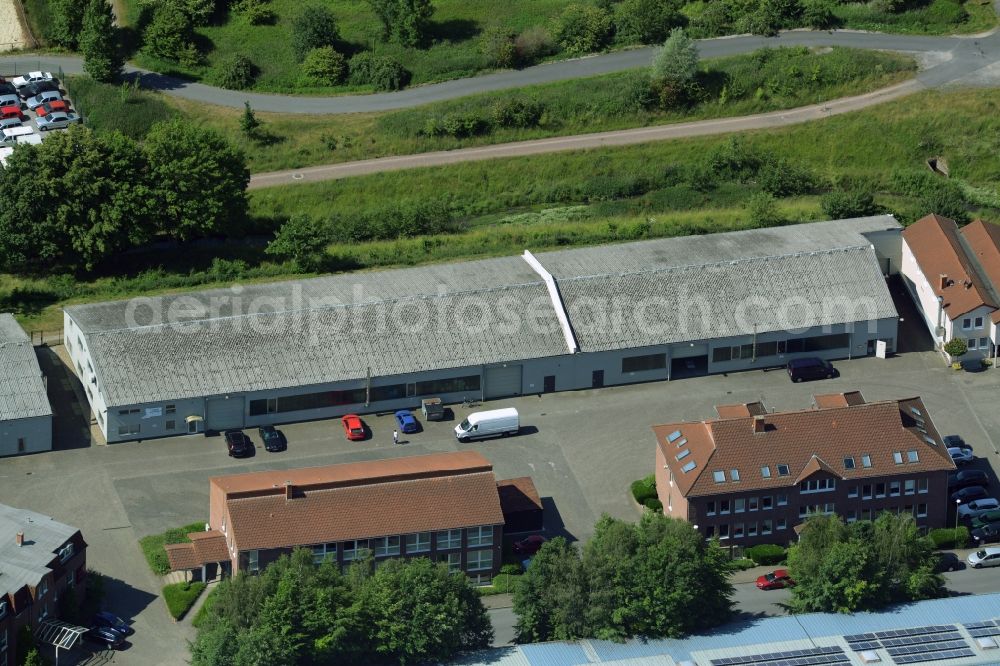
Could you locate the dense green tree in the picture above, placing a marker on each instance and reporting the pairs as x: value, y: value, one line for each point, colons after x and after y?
x: 645, y: 21
x: 677, y: 61
x: 498, y: 46
x: 199, y: 179
x: 102, y: 57
x: 303, y: 240
x: 170, y: 33
x: 582, y: 28
x: 235, y: 72
x: 419, y: 612
x: 324, y: 67
x: 403, y: 21
x: 313, y: 27
x: 72, y: 201
x: 65, y: 22
x: 863, y: 566
x: 818, y: 14
x: 248, y: 122
x: 200, y: 11
x: 762, y: 210
x: 551, y: 600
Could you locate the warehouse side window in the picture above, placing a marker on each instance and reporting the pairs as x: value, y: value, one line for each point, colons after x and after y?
x: 825, y: 342
x: 452, y: 385
x: 644, y: 363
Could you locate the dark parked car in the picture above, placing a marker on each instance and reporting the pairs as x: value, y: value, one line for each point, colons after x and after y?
x: 33, y: 89
x: 529, y: 545
x: 274, y: 439
x: 947, y: 562
x: 986, y: 534
x: 239, y: 445
x: 804, y: 369
x: 985, y: 519
x: 7, y: 88
x: 969, y: 493
x: 407, y: 423
x: 966, y: 478
x: 106, y: 619
x: 105, y: 636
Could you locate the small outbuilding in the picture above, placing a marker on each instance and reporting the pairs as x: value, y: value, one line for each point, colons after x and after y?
x: 520, y: 504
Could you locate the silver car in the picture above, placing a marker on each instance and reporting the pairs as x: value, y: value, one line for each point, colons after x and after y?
x: 10, y: 100
x: 41, y: 98
x: 8, y: 123
x: 31, y: 77
x: 56, y: 120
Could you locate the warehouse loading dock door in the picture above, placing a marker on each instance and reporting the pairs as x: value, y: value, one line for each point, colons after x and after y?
x: 503, y: 381
x: 224, y: 413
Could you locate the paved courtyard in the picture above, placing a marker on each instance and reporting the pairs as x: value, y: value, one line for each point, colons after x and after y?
x: 582, y: 449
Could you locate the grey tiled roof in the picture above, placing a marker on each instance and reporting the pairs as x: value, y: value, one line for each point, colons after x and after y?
x: 22, y: 390
x: 731, y: 299
x: 25, y: 565
x: 324, y: 330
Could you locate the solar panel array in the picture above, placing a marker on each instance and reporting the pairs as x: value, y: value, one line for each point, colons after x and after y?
x: 983, y: 629
x: 809, y: 657
x: 912, y: 646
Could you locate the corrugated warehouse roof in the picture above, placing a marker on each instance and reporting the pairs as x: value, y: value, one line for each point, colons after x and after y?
x: 764, y: 637
x: 307, y: 332
x: 22, y: 389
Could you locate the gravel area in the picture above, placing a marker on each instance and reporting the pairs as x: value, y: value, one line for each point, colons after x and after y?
x: 12, y: 33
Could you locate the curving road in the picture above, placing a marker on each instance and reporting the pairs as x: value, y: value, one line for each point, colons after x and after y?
x: 563, y: 70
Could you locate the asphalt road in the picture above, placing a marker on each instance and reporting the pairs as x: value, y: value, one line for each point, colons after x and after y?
x: 965, y: 49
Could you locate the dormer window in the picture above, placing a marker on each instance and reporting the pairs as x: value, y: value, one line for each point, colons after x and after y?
x: 66, y: 552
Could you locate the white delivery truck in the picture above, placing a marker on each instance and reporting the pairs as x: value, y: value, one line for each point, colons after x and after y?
x: 479, y: 425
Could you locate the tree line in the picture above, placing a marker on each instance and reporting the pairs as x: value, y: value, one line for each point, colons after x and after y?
x: 295, y: 612
x: 81, y: 197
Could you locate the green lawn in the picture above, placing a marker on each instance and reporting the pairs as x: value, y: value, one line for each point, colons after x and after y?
x: 570, y: 199
x: 764, y: 81
x: 152, y: 545
x: 454, y: 50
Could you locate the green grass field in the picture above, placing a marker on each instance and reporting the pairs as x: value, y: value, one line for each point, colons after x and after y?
x: 572, y: 199
x: 454, y: 49
x: 754, y: 83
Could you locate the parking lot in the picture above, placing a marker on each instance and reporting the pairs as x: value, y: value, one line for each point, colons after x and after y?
x: 29, y: 107
x: 581, y: 448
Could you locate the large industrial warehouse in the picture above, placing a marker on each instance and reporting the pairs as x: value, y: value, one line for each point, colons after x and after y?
x: 555, y: 321
x: 25, y: 413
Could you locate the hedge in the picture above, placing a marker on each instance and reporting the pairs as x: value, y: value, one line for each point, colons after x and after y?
x: 181, y: 596
x: 766, y: 554
x: 644, y: 489
x: 653, y: 504
x: 742, y: 564
x: 947, y: 537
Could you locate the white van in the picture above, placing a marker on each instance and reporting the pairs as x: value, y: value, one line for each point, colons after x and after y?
x: 478, y: 425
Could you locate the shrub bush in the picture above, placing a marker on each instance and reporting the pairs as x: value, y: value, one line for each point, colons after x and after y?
x: 645, y: 21
x: 324, y: 66
x: 236, y: 72
x: 818, y: 14
x: 169, y: 34
x: 644, y: 489
x: 742, y: 564
x: 381, y: 72
x: 782, y: 178
x: 498, y: 48
x: 181, y: 596
x: 511, y: 569
x: 956, y: 347
x: 533, y: 44
x: 947, y: 537
x: 152, y: 545
x: 582, y: 28
x: 517, y: 112
x: 762, y: 210
x: 255, y: 12
x: 313, y: 28
x: 733, y: 160
x: 653, y: 504
x: 843, y: 205
x: 766, y: 554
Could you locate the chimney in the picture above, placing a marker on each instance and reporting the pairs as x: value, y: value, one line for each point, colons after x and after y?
x: 944, y: 281
x: 289, y: 490
x: 968, y: 284
x: 759, y: 423
x: 19, y: 539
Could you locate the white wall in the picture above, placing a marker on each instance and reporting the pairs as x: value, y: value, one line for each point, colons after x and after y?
x: 76, y: 345
x: 923, y: 294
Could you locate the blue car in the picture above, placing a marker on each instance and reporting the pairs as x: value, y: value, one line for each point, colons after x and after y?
x: 407, y: 423
x: 106, y: 619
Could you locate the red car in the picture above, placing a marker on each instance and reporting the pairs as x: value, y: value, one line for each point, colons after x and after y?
x: 354, y: 429
x: 49, y: 107
x: 529, y: 545
x: 10, y: 112
x: 776, y: 580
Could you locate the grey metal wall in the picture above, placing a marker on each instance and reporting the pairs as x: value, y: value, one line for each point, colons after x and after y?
x: 36, y: 433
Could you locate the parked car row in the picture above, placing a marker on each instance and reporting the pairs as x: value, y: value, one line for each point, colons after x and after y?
x: 33, y: 101
x: 975, y: 504
x: 240, y: 446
